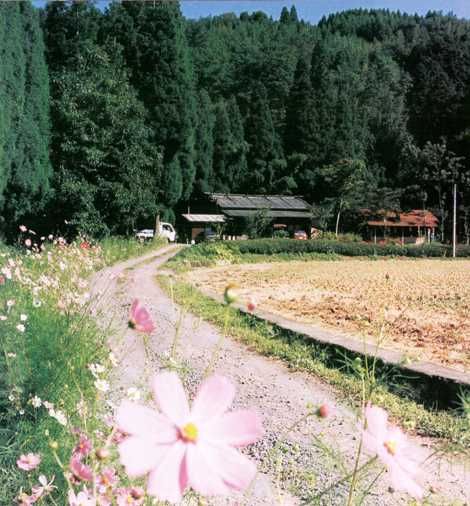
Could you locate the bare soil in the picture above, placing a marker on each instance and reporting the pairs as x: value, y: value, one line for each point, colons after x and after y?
x: 420, y: 306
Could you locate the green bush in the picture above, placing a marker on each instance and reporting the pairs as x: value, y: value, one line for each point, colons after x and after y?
x: 331, y: 236
x: 207, y: 254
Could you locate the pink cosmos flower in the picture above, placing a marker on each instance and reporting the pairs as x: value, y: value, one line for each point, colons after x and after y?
x: 83, y: 498
x: 23, y: 228
x: 27, y: 243
x: 2, y: 279
x: 80, y: 470
x: 389, y: 443
x: 183, y: 446
x: 130, y: 496
x: 28, y: 462
x: 83, y: 446
x: 26, y: 500
x: 44, y: 488
x: 107, y: 479
x: 139, y: 318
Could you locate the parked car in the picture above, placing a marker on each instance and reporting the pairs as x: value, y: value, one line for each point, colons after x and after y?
x: 300, y: 235
x: 166, y: 230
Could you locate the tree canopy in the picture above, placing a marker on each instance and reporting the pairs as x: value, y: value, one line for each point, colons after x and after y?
x: 99, y: 103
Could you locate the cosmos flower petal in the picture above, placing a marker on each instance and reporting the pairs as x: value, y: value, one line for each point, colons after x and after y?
x: 139, y: 455
x: 171, y: 397
x: 168, y: 479
x: 134, y: 418
x: 214, y: 397
x: 236, y: 470
x: 376, y: 421
x: 238, y: 428
x: 401, y: 480
x: 203, y: 476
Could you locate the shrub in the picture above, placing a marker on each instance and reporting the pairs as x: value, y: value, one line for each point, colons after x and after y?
x: 207, y: 254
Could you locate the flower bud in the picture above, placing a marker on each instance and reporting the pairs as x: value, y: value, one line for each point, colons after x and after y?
x: 230, y: 295
x: 53, y: 445
x: 323, y: 411
x: 102, y: 453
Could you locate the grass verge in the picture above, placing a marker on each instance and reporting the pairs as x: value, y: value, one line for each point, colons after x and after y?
x: 118, y: 249
x: 344, y: 375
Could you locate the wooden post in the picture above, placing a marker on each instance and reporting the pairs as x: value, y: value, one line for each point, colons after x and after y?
x: 157, y: 226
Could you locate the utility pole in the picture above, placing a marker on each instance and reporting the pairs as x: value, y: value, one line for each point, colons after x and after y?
x: 454, y: 224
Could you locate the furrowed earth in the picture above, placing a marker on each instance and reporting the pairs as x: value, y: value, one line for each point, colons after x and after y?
x: 420, y: 306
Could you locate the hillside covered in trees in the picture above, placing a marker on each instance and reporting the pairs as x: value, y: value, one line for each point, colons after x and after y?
x: 109, y: 117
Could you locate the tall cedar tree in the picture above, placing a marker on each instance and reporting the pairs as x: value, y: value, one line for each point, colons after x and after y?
x: 204, y: 143
x: 298, y: 135
x: 264, y: 145
x: 239, y: 164
x: 156, y: 52
x: 223, y: 149
x: 24, y: 132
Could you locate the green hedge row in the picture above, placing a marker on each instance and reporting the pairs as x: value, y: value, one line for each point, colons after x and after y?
x: 278, y: 246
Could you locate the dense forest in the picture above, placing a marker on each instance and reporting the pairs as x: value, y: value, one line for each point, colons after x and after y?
x: 108, y: 118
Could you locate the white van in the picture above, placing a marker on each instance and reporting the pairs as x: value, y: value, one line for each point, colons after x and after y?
x: 166, y: 230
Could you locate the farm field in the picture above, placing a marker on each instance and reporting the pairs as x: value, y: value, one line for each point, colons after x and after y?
x: 421, y: 306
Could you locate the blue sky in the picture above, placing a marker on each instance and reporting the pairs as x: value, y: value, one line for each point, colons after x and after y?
x: 313, y: 10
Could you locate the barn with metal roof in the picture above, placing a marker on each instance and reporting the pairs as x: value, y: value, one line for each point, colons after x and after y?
x: 230, y: 212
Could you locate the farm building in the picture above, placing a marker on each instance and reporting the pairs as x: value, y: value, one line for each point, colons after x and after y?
x: 228, y: 213
x: 416, y: 226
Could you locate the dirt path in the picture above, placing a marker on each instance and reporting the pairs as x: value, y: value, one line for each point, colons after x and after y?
x: 299, y: 467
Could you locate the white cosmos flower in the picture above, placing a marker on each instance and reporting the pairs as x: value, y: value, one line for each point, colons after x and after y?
x: 59, y: 416
x: 133, y: 394
x: 102, y: 385
x: 96, y: 369
x: 20, y: 327
x: 113, y: 359
x: 23, y: 317
x: 36, y: 402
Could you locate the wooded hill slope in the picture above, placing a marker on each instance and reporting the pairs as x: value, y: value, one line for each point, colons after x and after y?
x: 109, y: 117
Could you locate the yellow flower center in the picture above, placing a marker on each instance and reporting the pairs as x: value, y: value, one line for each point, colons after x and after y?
x: 189, y: 432
x: 391, y: 447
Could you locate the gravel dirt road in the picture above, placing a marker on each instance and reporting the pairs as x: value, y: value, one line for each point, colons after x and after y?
x: 297, y: 468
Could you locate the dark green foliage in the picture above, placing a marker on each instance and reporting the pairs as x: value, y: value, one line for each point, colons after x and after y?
x: 109, y: 172
x: 299, y: 134
x: 24, y: 114
x: 264, y: 145
x: 223, y: 149
x: 240, y: 104
x: 204, y: 143
x: 155, y: 50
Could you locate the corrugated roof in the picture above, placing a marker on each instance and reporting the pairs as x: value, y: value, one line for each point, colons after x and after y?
x: 205, y: 218
x: 281, y: 202
x: 238, y: 213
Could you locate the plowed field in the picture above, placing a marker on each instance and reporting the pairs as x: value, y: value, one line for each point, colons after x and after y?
x: 420, y: 306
